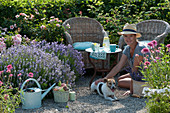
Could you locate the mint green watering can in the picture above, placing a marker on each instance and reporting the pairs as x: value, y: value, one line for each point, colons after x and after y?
x: 31, y: 97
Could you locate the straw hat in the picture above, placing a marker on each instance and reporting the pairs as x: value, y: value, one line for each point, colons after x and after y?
x: 130, y: 29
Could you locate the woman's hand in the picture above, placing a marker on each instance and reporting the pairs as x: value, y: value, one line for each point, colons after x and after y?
x: 99, y: 80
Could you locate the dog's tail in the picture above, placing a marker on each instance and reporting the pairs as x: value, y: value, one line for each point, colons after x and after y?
x: 99, y: 88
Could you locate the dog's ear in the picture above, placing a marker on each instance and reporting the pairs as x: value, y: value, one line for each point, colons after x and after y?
x: 105, y: 80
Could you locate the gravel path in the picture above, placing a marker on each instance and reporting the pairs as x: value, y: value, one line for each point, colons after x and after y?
x: 88, y: 102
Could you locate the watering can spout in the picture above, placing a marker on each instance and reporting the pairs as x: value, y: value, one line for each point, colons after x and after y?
x: 45, y: 93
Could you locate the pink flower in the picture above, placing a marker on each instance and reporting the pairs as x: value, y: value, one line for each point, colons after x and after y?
x: 159, y: 48
x: 150, y: 44
x: 168, y: 45
x: 10, y: 75
x: 157, y: 58
x: 136, y: 55
x: 157, y: 51
x: 145, y: 67
x: 155, y: 61
x: 9, y: 67
x: 19, y: 74
x: 145, y: 50
x: 42, y: 27
x: 145, y: 59
x: 1, y: 83
x: 152, y: 51
x: 8, y: 71
x: 22, y: 14
x: 58, y: 25
x: 154, y: 42
x: 80, y: 12
x: 30, y: 74
x: 147, y: 63
x: 6, y: 96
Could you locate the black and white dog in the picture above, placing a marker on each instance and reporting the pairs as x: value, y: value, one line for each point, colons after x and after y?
x: 105, y: 89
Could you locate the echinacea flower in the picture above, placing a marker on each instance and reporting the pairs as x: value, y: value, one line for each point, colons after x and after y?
x: 154, y: 42
x: 168, y: 45
x: 157, y: 58
x: 150, y: 44
x: 147, y: 63
x: 145, y: 50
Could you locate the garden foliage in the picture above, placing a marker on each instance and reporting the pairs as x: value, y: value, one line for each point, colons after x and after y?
x: 112, y: 14
x: 156, y: 73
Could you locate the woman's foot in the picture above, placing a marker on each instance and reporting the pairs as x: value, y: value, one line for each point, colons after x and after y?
x: 127, y: 93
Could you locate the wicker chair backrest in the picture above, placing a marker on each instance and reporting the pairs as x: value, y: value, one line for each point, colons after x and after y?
x: 150, y: 29
x: 84, y: 29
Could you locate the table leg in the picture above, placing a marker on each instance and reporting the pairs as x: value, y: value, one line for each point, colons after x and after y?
x: 94, y: 69
x: 114, y: 62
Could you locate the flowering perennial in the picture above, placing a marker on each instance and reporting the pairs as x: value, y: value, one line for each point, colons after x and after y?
x: 45, y: 67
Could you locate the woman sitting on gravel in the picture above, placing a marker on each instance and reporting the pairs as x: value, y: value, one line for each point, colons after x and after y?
x: 132, y: 53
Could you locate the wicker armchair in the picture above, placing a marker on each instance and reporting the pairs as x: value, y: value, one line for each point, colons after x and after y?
x: 150, y: 30
x: 83, y: 29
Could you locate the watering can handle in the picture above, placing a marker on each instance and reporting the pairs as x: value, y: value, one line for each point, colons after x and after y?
x: 29, y: 80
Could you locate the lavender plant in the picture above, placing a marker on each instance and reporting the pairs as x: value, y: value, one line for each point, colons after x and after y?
x: 46, y: 67
x: 68, y: 54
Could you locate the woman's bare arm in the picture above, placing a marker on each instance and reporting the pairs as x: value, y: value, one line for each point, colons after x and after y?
x: 118, y: 67
x: 136, y: 63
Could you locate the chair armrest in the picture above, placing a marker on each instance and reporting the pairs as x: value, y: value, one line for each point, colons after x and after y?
x: 121, y: 42
x: 69, y: 40
x: 160, y: 38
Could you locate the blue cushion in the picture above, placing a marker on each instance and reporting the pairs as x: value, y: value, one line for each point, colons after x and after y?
x: 82, y: 45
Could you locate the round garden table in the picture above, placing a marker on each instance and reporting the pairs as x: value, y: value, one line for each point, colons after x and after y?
x: 103, y: 69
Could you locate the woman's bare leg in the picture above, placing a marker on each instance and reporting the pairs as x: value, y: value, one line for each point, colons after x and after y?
x: 124, y: 76
x: 124, y: 83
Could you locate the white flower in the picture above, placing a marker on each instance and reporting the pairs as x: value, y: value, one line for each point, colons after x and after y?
x: 12, y: 27
x: 58, y: 25
x: 42, y: 27
x: 17, y: 16
x: 68, y: 25
x: 3, y: 33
